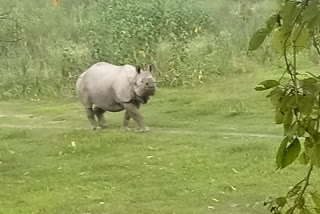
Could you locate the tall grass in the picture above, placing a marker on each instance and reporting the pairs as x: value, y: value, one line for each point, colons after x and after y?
x: 187, y: 40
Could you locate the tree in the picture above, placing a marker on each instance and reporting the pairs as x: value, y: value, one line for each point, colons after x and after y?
x: 295, y: 27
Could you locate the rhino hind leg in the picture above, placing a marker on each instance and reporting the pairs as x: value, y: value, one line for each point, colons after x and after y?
x: 91, y: 118
x: 99, y: 113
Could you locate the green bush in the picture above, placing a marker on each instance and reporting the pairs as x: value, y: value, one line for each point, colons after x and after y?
x: 188, y: 41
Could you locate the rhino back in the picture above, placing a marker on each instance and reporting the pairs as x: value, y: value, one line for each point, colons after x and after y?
x: 107, y: 85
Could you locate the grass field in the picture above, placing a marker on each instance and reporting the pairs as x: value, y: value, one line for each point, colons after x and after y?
x: 211, y: 149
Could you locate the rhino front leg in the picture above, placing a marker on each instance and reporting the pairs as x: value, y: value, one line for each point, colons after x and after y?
x: 133, y: 112
x: 126, y: 120
x: 99, y: 113
x: 92, y: 120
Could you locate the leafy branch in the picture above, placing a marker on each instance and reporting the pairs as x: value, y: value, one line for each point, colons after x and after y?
x: 297, y: 103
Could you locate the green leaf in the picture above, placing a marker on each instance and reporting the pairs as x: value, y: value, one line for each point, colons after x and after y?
x: 306, y: 104
x: 304, y: 158
x: 271, y: 22
x: 287, y: 120
x: 260, y: 88
x: 292, y: 102
x: 258, y: 38
x: 310, y: 12
x: 267, y: 84
x: 311, y: 127
x: 301, y: 131
x: 281, y: 202
x: 305, y: 211
x: 300, y: 38
x: 310, y: 80
x: 311, y: 15
x: 285, y: 102
x: 291, y: 153
x: 275, y: 95
x: 308, y: 145
x: 310, y: 86
x: 281, y: 152
x: 316, y: 199
x: 292, y: 131
x: 278, y: 116
x: 283, y: 38
x: 289, y: 12
x: 306, y: 122
x: 279, y: 39
x: 315, y: 155
x: 313, y: 25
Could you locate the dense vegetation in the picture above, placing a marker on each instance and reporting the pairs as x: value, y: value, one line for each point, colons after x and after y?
x: 187, y: 41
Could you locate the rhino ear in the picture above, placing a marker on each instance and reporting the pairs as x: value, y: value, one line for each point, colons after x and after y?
x: 138, y: 69
x: 150, y: 68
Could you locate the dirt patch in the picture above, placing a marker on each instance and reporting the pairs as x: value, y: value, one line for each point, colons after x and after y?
x: 22, y: 116
x: 211, y: 132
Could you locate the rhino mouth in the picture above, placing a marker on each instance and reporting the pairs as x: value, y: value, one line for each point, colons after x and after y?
x: 142, y: 99
x: 151, y: 86
x: 150, y: 90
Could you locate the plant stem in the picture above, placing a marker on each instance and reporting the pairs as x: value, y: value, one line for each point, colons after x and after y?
x: 307, y: 180
x: 295, y: 72
x: 315, y: 44
x: 300, y: 182
x: 286, y: 40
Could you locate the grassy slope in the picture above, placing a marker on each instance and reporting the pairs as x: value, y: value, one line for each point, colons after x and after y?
x: 199, y: 150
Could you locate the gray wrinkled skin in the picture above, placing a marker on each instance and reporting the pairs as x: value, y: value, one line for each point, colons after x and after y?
x: 106, y: 87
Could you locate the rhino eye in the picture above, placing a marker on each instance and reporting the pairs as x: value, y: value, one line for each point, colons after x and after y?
x: 147, y: 83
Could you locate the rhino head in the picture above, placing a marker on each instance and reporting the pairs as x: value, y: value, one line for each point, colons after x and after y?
x: 145, y: 85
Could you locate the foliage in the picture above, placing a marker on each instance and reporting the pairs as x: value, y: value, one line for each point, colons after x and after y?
x: 296, y: 99
x: 187, y: 41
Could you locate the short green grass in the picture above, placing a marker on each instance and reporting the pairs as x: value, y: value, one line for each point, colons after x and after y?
x: 210, y: 150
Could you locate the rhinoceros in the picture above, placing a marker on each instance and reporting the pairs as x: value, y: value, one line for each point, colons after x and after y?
x: 107, y: 87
